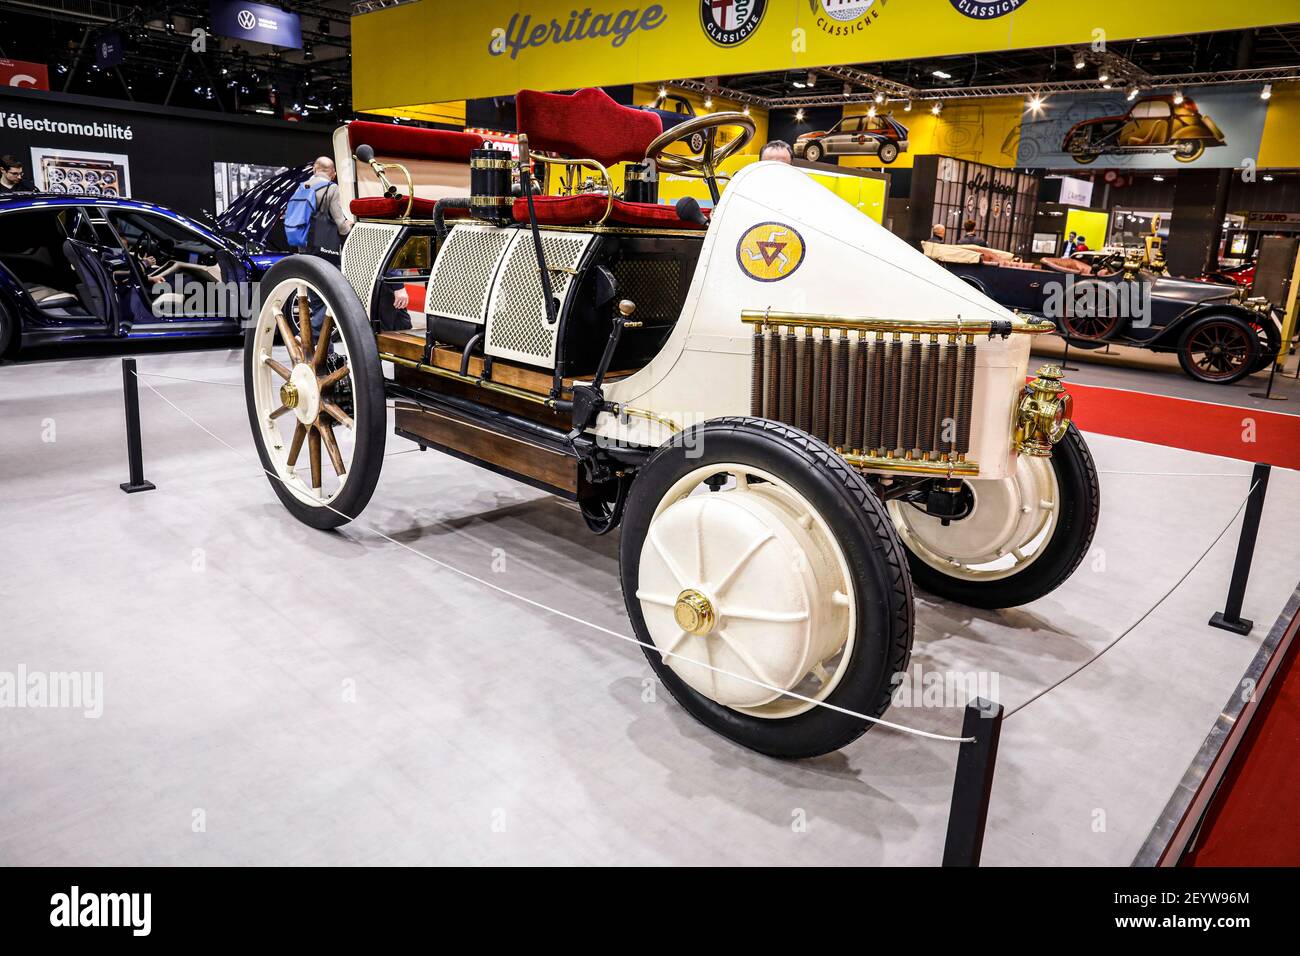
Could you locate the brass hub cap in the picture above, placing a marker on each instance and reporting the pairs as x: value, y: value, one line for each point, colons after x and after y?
x: 289, y: 395
x: 694, y: 612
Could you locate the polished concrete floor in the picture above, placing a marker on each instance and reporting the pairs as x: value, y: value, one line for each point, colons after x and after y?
x: 273, y: 694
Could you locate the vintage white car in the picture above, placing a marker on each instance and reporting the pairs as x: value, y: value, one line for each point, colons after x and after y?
x: 790, y: 412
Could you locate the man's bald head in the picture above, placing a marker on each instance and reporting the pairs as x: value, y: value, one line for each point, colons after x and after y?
x: 324, y: 166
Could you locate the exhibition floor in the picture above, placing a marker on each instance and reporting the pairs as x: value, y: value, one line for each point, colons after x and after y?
x: 317, y: 698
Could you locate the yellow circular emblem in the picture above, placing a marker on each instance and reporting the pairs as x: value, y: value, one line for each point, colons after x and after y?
x: 769, y: 251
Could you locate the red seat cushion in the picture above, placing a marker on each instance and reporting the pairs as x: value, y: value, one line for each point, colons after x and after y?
x: 396, y: 140
x: 382, y: 207
x: 587, y: 124
x: 589, y: 207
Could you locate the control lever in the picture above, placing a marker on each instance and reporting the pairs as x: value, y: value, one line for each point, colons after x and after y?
x: 589, y: 400
x: 688, y: 210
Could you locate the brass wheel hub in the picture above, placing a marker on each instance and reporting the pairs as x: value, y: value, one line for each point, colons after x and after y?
x: 694, y: 613
x: 289, y: 395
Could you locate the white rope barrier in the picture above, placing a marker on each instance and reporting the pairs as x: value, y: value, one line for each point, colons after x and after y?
x: 564, y: 614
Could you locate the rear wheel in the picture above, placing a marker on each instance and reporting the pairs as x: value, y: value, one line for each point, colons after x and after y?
x: 1189, y: 151
x: 1024, y: 536
x: 1219, y: 348
x: 754, y: 562
x: 313, y: 383
x: 814, y: 152
x: 888, y: 152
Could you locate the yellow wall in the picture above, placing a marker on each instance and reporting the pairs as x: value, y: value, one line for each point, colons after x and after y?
x: 1090, y: 224
x: 1280, y: 145
x: 432, y: 51
x: 984, y: 131
x: 449, y: 114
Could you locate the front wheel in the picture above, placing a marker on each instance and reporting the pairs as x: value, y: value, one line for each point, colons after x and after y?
x: 1024, y: 536
x: 813, y: 153
x: 1219, y: 348
x: 754, y: 563
x: 312, y: 380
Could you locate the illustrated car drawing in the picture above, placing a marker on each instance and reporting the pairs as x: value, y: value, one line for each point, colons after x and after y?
x: 789, y: 413
x: 1154, y: 124
x: 880, y: 136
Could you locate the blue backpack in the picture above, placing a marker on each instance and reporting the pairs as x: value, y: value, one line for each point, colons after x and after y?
x: 300, y: 213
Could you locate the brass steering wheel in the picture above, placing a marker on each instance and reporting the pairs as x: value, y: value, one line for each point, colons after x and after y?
x: 705, y: 165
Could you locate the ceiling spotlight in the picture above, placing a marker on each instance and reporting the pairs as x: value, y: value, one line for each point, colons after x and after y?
x: 1178, y: 96
x: 1158, y: 178
x: 663, y: 91
x: 798, y: 84
x: 907, y: 106
x: 880, y: 97
x: 745, y: 111
x: 1266, y: 92
x: 1080, y: 62
x: 942, y: 75
x: 1036, y: 103
x: 871, y: 111
x: 848, y: 89
x: 1268, y: 177
x: 812, y: 78
x: 798, y: 116
x: 937, y: 108
x: 1133, y: 94
x: 708, y: 102
x: 1105, y: 86
x: 1103, y: 76
x: 307, y: 52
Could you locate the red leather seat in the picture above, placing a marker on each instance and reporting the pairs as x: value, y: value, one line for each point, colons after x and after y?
x: 589, y: 207
x: 381, y: 207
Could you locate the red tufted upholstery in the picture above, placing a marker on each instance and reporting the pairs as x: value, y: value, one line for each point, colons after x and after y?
x: 394, y: 140
x: 587, y: 124
x: 589, y: 207
x: 380, y: 207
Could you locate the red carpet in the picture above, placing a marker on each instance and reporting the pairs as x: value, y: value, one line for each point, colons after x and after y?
x: 1252, y: 820
x: 1245, y: 433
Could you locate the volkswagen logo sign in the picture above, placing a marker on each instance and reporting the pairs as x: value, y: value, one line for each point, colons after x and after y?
x: 247, y: 19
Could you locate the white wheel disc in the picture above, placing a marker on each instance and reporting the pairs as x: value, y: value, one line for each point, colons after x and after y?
x: 745, y: 589
x: 308, y: 437
x: 1007, y: 530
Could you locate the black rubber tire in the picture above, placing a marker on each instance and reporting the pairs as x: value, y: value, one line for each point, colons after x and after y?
x: 1249, y: 335
x: 369, y: 411
x: 1270, y: 342
x: 1076, y: 477
x: 8, y: 334
x: 870, y: 546
x: 813, y: 152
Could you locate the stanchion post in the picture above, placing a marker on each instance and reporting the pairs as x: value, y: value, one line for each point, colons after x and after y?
x: 1230, y: 618
x: 134, y: 454
x: 973, y: 783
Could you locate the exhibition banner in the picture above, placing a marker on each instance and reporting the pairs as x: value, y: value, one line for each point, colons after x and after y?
x: 1208, y: 127
x: 35, y: 76
x: 108, y: 50
x: 496, y: 47
x: 258, y: 22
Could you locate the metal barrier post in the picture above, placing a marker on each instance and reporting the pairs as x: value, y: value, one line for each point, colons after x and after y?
x: 135, y: 457
x: 1230, y: 618
x: 973, y: 783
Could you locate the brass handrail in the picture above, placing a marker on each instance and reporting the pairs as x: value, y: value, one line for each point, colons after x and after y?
x: 867, y: 324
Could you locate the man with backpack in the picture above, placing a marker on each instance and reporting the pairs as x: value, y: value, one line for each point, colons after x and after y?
x: 315, y: 221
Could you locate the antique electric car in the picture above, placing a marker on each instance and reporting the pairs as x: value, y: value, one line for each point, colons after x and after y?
x: 76, y: 269
x: 1154, y: 124
x: 781, y: 464
x: 1219, y: 334
x: 880, y: 136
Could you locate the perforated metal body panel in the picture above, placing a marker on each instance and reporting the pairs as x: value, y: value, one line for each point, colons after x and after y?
x: 516, y: 324
x: 366, y: 250
x: 463, y: 275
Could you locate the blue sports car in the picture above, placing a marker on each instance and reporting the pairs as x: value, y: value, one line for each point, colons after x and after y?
x: 78, y: 268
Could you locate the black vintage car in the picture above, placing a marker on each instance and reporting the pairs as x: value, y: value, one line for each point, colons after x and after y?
x: 1219, y: 335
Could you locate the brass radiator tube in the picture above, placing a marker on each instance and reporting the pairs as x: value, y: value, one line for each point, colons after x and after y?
x: 773, y: 405
x: 910, y: 397
x: 928, y: 405
x: 839, y: 391
x: 858, y: 392
x: 875, y: 382
x: 965, y: 398
x: 785, y: 384
x: 756, y: 374
x: 889, y: 410
x: 822, y: 401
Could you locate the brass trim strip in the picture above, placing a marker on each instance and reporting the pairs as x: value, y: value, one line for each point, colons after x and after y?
x: 916, y: 466
x: 484, y: 383
x: 868, y: 324
x: 628, y: 411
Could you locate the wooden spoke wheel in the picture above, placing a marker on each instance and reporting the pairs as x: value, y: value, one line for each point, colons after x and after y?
x: 1219, y: 348
x: 1093, y: 313
x: 314, y: 391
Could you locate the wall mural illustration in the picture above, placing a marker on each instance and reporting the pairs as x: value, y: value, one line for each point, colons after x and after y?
x: 1215, y: 127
